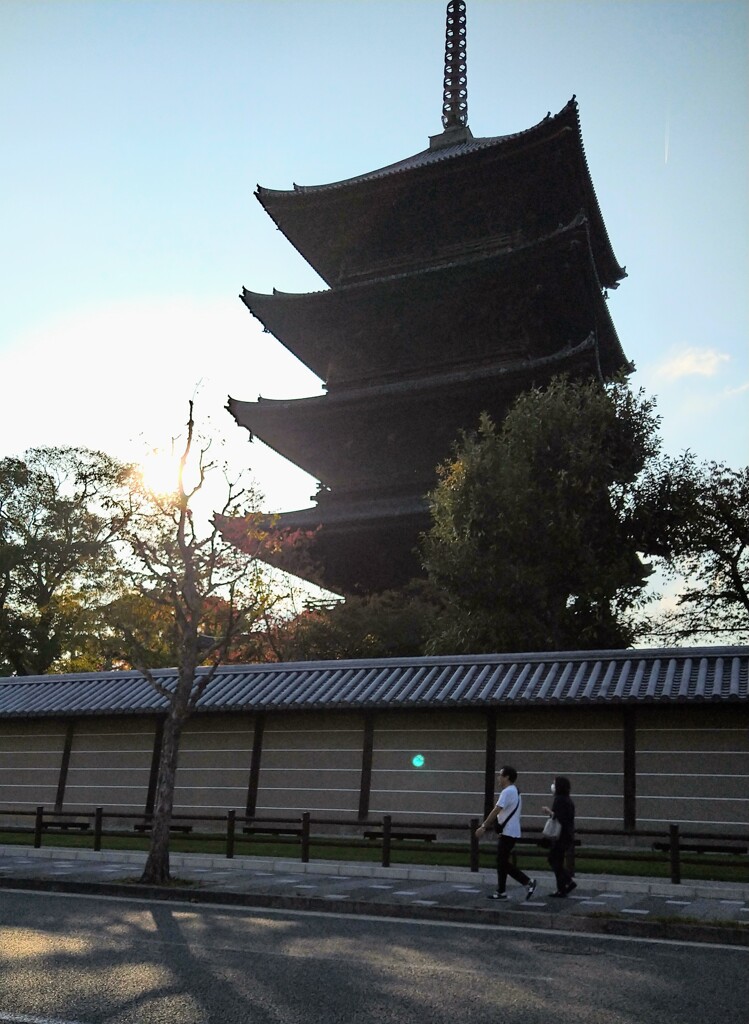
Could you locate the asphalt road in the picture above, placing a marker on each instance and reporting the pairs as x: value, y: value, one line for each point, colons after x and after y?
x: 90, y: 960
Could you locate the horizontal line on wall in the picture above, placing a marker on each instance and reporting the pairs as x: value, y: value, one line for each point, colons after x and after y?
x: 270, y: 731
x: 212, y: 789
x: 31, y: 785
x: 567, y: 751
x: 98, y: 751
x: 12, y: 734
x: 527, y: 796
x: 696, y: 799
x: 427, y: 731
x: 272, y: 808
x: 310, y: 750
x: 680, y: 775
x: 94, y: 785
x: 214, y: 750
x: 689, y: 728
x: 692, y: 752
x: 84, y: 733
x: 9, y: 751
x: 689, y: 821
x: 306, y: 789
x: 108, y: 812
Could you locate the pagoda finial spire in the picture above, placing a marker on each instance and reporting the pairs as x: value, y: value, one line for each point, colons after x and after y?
x: 455, y: 95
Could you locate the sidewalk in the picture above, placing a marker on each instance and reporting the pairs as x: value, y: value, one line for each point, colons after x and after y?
x: 692, y: 911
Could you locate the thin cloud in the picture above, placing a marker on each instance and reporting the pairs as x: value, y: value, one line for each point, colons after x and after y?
x: 693, y: 362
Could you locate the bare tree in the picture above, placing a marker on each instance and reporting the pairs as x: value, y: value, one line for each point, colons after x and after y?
x: 184, y: 567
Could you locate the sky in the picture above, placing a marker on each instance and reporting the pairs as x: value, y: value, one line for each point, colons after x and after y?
x: 135, y: 132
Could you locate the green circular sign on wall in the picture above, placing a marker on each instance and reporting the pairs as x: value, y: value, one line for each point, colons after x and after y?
x: 418, y: 760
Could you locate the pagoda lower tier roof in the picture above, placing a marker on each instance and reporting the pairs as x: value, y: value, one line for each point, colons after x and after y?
x: 392, y: 436
x: 409, y: 212
x: 346, y: 542
x: 525, y: 301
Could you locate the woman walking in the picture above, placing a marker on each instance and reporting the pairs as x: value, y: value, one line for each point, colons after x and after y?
x: 563, y: 809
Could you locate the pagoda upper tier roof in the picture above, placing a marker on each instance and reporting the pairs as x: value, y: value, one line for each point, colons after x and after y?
x: 529, y: 301
x: 389, y: 438
x: 447, y: 199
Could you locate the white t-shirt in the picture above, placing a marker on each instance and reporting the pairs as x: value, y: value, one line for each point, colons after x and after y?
x: 509, y: 798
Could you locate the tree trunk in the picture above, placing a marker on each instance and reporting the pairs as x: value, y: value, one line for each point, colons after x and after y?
x: 156, y: 870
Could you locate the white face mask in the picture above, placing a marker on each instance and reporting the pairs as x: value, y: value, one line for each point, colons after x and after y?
x: 553, y: 788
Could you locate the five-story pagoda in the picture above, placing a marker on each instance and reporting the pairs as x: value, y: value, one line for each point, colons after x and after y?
x: 458, y: 278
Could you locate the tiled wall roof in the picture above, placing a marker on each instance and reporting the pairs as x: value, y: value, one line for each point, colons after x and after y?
x: 676, y: 676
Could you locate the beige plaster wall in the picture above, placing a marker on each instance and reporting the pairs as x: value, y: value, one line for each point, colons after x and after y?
x: 311, y: 762
x: 449, y: 786
x: 586, y: 746
x: 110, y: 764
x: 214, y: 764
x: 30, y: 757
x: 692, y: 764
x: 693, y: 768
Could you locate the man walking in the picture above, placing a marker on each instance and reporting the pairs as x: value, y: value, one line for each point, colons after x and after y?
x: 507, y: 815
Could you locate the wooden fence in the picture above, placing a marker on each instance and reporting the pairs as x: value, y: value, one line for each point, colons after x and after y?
x: 673, y: 847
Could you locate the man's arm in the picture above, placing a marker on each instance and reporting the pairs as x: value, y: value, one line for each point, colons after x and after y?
x: 491, y: 816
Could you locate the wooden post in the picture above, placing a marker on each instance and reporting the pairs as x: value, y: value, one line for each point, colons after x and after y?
x: 386, y: 826
x: 490, y: 760
x: 365, y: 784
x: 474, y: 824
x: 64, y: 766
x: 674, y: 853
x: 98, y: 822
x: 38, y: 825
x: 630, y: 769
x: 153, y: 776
x: 257, y: 753
x: 231, y: 823
x: 305, y: 837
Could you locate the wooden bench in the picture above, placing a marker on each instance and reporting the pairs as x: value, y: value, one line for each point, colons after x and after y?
x: 147, y: 827
x: 428, y: 837
x: 82, y: 826
x: 270, y: 830
x: 708, y: 847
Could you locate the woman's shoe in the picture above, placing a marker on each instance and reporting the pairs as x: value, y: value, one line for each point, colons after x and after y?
x: 568, y: 888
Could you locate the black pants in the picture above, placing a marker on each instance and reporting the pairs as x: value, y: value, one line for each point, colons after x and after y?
x: 556, y: 857
x: 504, y: 868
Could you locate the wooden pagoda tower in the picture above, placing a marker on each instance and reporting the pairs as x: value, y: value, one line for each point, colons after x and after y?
x: 458, y: 278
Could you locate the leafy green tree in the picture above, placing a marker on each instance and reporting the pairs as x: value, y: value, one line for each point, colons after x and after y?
x: 693, y: 517
x: 203, y: 592
x: 531, y: 539
x: 60, y: 512
x: 389, y: 624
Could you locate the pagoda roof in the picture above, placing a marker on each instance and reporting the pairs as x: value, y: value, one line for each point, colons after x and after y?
x: 336, y: 243
x: 349, y: 540
x: 353, y: 439
x: 446, y: 314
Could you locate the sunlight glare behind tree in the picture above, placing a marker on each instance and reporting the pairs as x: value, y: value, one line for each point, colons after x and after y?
x: 178, y: 562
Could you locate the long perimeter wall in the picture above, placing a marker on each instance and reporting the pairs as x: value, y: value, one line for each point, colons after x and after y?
x: 641, y: 767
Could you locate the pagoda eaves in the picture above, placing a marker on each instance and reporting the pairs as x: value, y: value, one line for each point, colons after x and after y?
x: 409, y: 212
x: 470, y: 309
x: 391, y: 437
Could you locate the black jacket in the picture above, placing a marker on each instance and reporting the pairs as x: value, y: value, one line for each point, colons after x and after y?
x: 563, y: 810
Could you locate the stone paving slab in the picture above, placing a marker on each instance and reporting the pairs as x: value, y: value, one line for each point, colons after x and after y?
x: 704, y: 911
